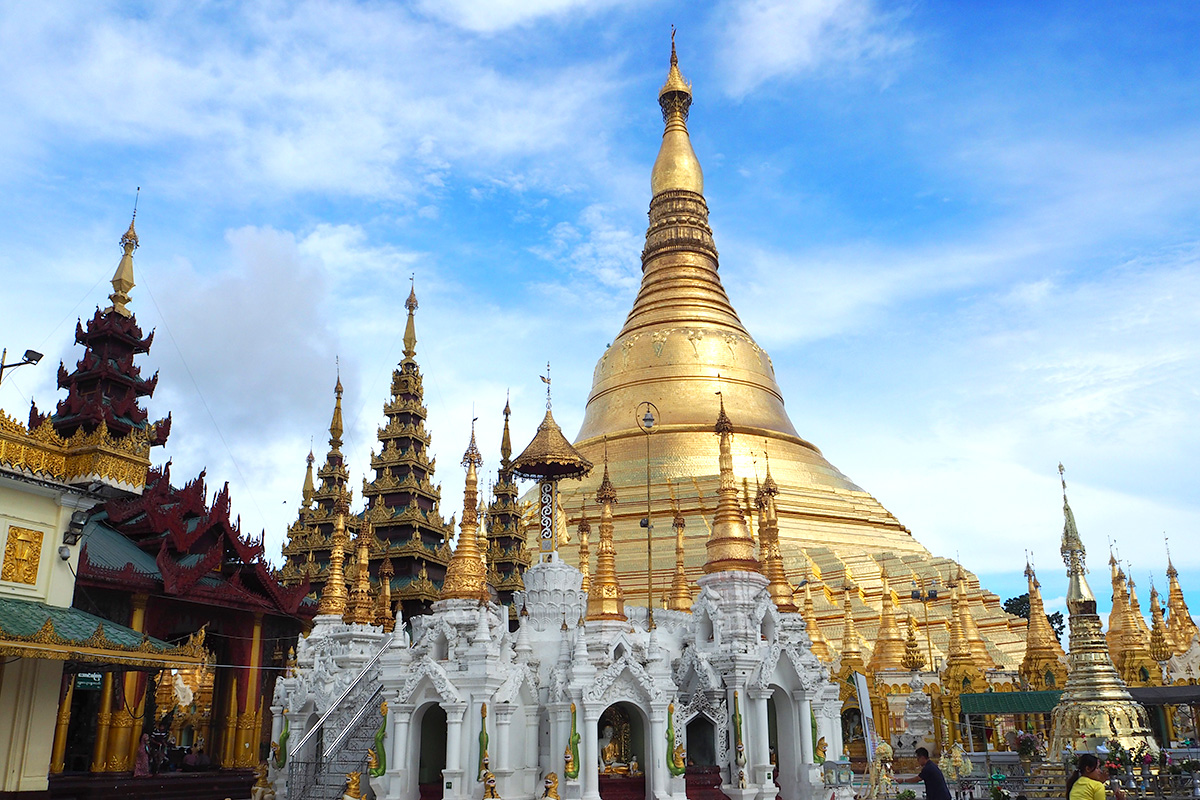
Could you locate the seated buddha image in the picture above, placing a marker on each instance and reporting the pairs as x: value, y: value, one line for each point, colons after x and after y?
x: 616, y: 752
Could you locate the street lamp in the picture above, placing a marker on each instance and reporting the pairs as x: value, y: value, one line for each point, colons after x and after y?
x: 925, y: 596
x: 30, y: 357
x: 646, y: 420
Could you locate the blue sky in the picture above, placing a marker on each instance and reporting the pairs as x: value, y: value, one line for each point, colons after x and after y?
x: 967, y: 233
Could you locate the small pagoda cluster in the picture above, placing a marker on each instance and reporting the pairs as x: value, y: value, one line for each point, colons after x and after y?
x: 400, y: 535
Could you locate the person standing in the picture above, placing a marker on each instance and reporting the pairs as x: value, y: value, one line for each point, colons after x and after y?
x: 1087, y: 781
x: 931, y: 774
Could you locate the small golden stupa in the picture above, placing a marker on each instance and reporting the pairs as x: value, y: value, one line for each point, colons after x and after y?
x: 1095, y: 706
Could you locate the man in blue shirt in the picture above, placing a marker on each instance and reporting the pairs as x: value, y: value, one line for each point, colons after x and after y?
x: 935, y: 781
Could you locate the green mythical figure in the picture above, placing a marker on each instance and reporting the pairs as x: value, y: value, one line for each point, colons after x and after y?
x: 280, y: 748
x: 377, y: 756
x: 571, y: 756
x: 483, y: 741
x: 676, y: 764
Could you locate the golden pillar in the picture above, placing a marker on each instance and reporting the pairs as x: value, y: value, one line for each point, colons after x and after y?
x: 103, y: 718
x: 229, y: 729
x: 59, y: 752
x: 121, y: 741
x: 246, y: 741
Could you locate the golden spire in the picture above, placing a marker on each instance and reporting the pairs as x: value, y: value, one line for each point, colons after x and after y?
x: 730, y: 545
x: 1160, y: 644
x: 1079, y: 595
x: 584, y: 529
x: 979, y: 651
x: 1118, y: 617
x: 410, y: 328
x: 359, y: 610
x: 122, y: 279
x: 1041, y: 667
x: 676, y: 167
x: 335, y: 424
x: 820, y: 647
x: 1095, y: 706
x: 506, y: 439
x: 384, y: 616
x: 778, y: 585
x: 1135, y: 609
x: 889, y: 641
x: 1179, y: 620
x: 1040, y: 638
x: 333, y: 595
x: 309, y: 489
x: 851, y: 645
x: 680, y: 598
x: 605, y: 598
x: 466, y: 574
x: 912, y: 660
x: 960, y: 647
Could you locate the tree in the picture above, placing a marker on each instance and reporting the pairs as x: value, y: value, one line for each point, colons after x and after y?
x: 1019, y: 606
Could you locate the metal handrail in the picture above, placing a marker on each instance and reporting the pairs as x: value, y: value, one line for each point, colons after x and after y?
x: 337, y: 703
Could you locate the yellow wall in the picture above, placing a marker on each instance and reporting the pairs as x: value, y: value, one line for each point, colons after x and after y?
x: 29, y: 691
x: 47, y: 511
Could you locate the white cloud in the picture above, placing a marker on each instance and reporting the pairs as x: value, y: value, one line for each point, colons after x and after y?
x: 769, y: 39
x: 494, y: 16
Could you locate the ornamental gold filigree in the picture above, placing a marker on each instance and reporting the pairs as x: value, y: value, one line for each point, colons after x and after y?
x: 22, y: 555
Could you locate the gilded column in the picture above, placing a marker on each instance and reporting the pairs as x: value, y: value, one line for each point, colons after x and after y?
x: 245, y: 749
x: 59, y: 752
x: 229, y: 729
x: 103, y: 719
x: 122, y: 742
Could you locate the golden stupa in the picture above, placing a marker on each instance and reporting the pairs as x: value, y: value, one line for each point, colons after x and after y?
x: 681, y: 345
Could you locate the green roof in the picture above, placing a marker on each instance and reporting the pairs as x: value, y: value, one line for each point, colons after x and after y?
x: 31, y: 629
x: 1009, y: 702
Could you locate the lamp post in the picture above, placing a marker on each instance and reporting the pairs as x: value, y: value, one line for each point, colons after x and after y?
x: 646, y: 419
x: 30, y: 357
x: 925, y: 596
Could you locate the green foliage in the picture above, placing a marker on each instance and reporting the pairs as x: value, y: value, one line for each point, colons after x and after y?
x: 1019, y: 606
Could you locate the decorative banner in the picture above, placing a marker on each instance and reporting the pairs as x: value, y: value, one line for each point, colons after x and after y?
x: 868, y: 717
x: 546, y: 496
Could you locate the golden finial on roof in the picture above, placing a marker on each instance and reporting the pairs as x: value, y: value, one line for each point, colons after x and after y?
x: 506, y: 439
x: 410, y: 327
x: 309, y: 488
x: 335, y: 424
x: 979, y: 652
x: 730, y: 545
x: 605, y: 598
x: 960, y: 647
x: 549, y: 456
x: 466, y: 574
x: 122, y: 279
x: 676, y: 167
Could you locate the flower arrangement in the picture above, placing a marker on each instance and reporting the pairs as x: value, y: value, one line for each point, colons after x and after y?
x: 1028, y: 745
x: 907, y: 794
x: 1000, y: 793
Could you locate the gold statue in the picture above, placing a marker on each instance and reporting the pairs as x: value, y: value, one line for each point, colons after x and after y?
x: 489, y: 786
x: 353, y: 792
x: 551, y: 784
x: 568, y: 762
x: 262, y: 788
x: 677, y: 758
x: 822, y: 747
